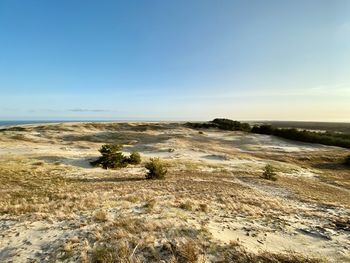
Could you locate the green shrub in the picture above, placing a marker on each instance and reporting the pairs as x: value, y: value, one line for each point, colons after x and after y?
x: 269, y: 173
x: 111, y: 158
x: 108, y: 149
x: 156, y: 169
x: 134, y: 158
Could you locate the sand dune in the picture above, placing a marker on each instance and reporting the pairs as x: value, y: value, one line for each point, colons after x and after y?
x: 212, y: 207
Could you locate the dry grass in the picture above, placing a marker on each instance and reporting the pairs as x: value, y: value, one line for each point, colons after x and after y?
x: 117, y: 216
x: 101, y: 215
x: 234, y: 252
x: 120, y: 252
x: 311, y: 189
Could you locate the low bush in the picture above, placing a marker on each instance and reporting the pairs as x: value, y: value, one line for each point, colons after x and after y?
x: 269, y: 173
x: 134, y: 158
x: 156, y: 169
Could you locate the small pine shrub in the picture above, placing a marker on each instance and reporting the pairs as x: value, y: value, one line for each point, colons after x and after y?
x: 156, y: 169
x: 134, y: 158
x: 111, y: 158
x: 269, y: 173
x: 108, y: 149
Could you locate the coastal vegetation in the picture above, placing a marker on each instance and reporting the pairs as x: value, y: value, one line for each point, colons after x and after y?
x: 156, y: 169
x: 326, y: 138
x: 269, y: 173
x: 222, y: 124
x: 113, y: 158
x: 134, y: 158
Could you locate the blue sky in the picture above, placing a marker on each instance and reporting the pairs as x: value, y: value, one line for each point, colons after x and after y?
x: 175, y: 60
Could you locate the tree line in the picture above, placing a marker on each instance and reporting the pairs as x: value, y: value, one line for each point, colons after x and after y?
x: 326, y: 138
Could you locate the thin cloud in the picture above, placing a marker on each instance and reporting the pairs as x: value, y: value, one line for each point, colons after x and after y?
x: 88, y: 110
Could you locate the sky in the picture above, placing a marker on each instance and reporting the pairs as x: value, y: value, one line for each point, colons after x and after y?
x: 175, y: 60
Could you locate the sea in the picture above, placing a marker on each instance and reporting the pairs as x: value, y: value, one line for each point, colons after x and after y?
x: 24, y: 122
x: 12, y: 123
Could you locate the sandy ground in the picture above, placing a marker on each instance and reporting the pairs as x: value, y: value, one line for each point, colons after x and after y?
x: 55, y: 207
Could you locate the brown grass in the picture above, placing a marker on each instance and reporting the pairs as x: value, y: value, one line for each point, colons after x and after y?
x: 120, y: 217
x: 234, y: 252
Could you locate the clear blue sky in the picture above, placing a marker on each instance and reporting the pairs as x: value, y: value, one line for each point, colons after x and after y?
x: 175, y: 60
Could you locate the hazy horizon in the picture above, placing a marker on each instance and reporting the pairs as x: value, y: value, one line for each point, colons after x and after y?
x: 178, y: 60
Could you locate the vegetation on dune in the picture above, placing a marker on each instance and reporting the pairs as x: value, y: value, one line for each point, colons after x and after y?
x: 222, y: 124
x: 226, y: 124
x: 234, y: 252
x: 269, y: 173
x: 326, y: 138
x: 156, y: 169
x: 134, y: 158
x: 113, y: 158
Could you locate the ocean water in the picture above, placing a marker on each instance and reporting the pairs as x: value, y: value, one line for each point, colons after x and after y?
x: 12, y: 123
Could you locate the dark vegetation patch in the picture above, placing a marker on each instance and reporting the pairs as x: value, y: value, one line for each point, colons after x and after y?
x: 310, y: 125
x: 327, y: 138
x: 113, y: 158
x: 220, y: 123
x: 13, y: 129
x: 269, y: 173
x: 134, y: 158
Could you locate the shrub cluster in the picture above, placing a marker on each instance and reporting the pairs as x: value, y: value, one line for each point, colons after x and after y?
x: 156, y: 169
x: 134, y: 158
x: 113, y: 158
x: 220, y: 123
x: 269, y: 173
x: 227, y: 124
x: 326, y: 138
